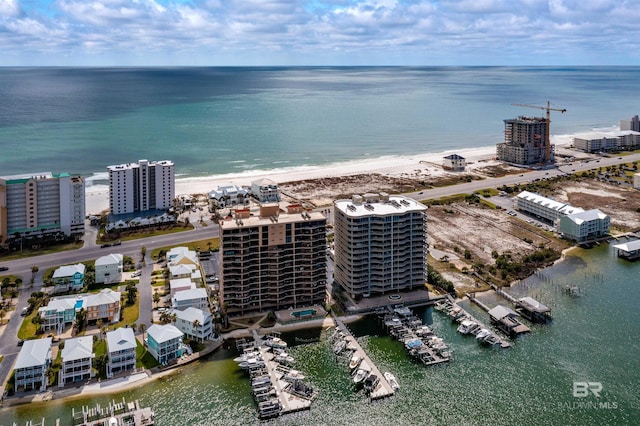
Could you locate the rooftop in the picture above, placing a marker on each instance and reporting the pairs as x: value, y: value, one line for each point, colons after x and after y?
x: 77, y: 348
x: 549, y: 203
x: 628, y: 246
x: 121, y: 339
x: 34, y: 353
x: 164, y: 333
x: 378, y: 205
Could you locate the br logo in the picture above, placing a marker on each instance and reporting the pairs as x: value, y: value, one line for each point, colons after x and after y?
x: 583, y: 389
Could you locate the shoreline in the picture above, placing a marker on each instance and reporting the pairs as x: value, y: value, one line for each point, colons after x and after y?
x: 428, y: 163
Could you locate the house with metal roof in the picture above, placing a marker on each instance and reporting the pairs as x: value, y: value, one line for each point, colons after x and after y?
x: 164, y: 342
x: 59, y: 312
x: 104, y: 305
x: 180, y: 284
x: 585, y: 225
x: 77, y: 360
x: 32, y: 365
x: 195, y: 298
x: 108, y: 269
x: 544, y: 208
x: 121, y: 351
x: 68, y: 278
x: 195, y: 323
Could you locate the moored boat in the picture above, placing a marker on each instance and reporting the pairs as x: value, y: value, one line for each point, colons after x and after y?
x: 392, y: 381
x: 371, y: 382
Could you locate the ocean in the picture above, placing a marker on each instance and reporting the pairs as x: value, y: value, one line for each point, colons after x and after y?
x: 218, y: 121
x: 593, y: 338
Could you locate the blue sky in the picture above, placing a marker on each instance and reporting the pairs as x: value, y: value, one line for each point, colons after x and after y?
x: 319, y: 32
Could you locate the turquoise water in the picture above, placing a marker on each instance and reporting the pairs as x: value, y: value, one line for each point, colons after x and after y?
x: 213, y: 121
x: 593, y: 338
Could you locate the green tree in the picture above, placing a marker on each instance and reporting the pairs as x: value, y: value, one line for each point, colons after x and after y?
x: 156, y: 297
x: 131, y: 294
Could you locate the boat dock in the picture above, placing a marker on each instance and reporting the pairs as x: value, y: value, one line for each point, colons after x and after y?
x: 382, y: 389
x: 528, y: 307
x: 122, y: 413
x: 418, y: 339
x: 482, y: 333
x: 276, y: 387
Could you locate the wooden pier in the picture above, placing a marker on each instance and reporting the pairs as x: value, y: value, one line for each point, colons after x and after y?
x: 291, y: 393
x: 527, y: 307
x: 417, y: 338
x: 383, y: 388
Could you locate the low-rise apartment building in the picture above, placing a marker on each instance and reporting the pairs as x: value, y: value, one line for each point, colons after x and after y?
x: 584, y: 226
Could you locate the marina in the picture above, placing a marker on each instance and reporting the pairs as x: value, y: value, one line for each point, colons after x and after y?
x: 418, y: 339
x: 114, y: 414
x: 469, y: 324
x: 276, y: 387
x: 527, y: 307
x: 362, y: 368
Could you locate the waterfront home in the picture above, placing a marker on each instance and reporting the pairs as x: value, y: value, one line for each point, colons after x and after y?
x: 104, y: 305
x: 195, y: 323
x: 227, y: 196
x: 32, y: 365
x: 584, y: 226
x: 195, y: 298
x: 68, y: 278
x: 164, y: 342
x: 109, y: 268
x: 77, y: 360
x: 59, y: 312
x: 180, y: 284
x: 265, y: 191
x: 121, y: 351
x: 454, y: 162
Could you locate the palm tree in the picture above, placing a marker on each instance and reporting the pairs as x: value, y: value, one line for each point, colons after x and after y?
x: 156, y: 297
x: 34, y: 271
x: 196, y: 326
x: 141, y: 329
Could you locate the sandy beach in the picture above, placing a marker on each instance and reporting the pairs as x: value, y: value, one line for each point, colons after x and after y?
x: 427, y: 164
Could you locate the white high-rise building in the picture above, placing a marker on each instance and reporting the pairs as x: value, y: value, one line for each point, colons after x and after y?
x: 380, y: 244
x: 141, y: 186
x: 37, y: 204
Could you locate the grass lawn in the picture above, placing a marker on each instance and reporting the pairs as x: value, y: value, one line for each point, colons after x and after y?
x: 199, y: 245
x: 130, y: 314
x: 27, y: 328
x: 144, y: 358
x: 45, y: 250
x: 100, y: 348
x: 147, y: 232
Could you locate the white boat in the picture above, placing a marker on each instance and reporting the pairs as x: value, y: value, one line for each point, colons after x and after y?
x: 355, y: 361
x: 276, y: 342
x: 284, y: 358
x: 482, y: 334
x: 293, y: 375
x: 466, y: 326
x: 392, y: 381
x: 339, y: 347
x: 360, y: 375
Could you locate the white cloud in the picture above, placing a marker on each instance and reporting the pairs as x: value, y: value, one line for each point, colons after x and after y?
x: 497, y: 31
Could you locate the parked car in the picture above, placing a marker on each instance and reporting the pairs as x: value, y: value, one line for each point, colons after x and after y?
x: 136, y: 274
x: 25, y: 312
x: 4, y: 268
x: 20, y: 342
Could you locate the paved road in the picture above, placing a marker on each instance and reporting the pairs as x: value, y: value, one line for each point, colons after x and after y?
x: 90, y: 251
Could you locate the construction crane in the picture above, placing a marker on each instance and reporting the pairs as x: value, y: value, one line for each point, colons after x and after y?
x: 547, y: 152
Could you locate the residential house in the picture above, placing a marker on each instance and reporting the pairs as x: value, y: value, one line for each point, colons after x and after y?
x: 59, y: 312
x: 180, y: 284
x: 182, y: 256
x: 195, y: 298
x: 32, y: 365
x: 265, y: 191
x: 77, y: 359
x: 109, y: 269
x: 195, y: 323
x: 454, y: 162
x: 121, y: 351
x: 164, y: 342
x: 104, y: 305
x: 68, y: 278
